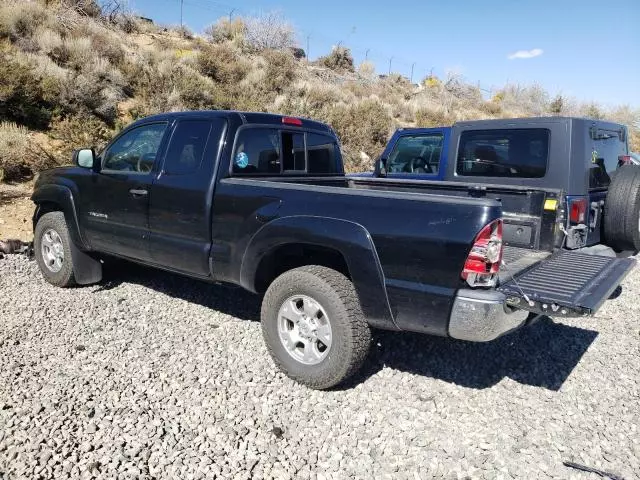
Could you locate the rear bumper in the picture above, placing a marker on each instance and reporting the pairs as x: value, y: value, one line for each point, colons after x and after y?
x: 482, y: 315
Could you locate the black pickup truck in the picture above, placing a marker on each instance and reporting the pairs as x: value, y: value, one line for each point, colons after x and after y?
x: 262, y: 201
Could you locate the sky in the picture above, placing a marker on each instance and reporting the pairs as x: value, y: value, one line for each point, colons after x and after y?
x: 585, y: 49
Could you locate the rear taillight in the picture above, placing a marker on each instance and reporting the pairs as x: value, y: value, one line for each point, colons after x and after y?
x: 577, y: 210
x: 483, y: 262
x: 624, y: 160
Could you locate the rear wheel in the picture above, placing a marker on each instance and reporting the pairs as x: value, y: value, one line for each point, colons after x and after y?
x: 622, y: 209
x: 313, y: 326
x: 52, y: 249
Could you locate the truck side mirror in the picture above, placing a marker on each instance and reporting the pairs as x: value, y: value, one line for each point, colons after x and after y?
x: 85, y: 158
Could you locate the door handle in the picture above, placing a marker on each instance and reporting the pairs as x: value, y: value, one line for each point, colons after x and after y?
x: 138, y: 192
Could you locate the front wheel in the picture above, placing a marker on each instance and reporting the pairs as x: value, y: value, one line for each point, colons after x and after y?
x: 52, y: 248
x: 314, y: 327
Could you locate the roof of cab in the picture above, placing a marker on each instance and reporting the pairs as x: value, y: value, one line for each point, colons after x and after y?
x: 533, y: 121
x: 246, y: 117
x: 506, y: 122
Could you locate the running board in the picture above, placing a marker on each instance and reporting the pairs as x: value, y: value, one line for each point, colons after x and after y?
x: 567, y: 284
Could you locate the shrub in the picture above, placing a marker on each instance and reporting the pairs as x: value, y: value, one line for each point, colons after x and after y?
x: 74, y: 52
x: 89, y: 8
x: 194, y: 91
x: 363, y: 126
x: 104, y: 42
x: 79, y: 131
x: 269, y: 32
x: 96, y: 91
x: 491, y: 107
x: 528, y: 99
x: 225, y: 30
x: 20, y: 155
x: 281, y: 70
x: 557, y: 105
x: 21, y: 20
x: 340, y: 60
x: 431, y: 81
x: 26, y: 97
x: 173, y: 85
x: 222, y: 63
x: 593, y: 111
x: 432, y: 118
x: 367, y: 70
x: 48, y: 40
x: 183, y: 31
x: 634, y: 139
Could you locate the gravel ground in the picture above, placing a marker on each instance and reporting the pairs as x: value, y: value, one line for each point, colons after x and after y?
x: 150, y: 375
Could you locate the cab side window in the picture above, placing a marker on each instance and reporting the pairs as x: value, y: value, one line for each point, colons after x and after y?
x: 136, y: 150
x: 257, y: 151
x: 273, y: 151
x: 321, y: 150
x: 188, y: 145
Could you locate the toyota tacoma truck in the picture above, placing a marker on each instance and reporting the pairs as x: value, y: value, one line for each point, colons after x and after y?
x: 262, y: 201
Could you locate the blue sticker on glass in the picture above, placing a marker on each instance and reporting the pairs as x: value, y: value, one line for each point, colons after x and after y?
x: 242, y: 160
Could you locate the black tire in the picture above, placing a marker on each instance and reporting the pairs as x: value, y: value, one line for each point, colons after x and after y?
x: 351, y: 335
x: 622, y: 209
x: 54, y: 221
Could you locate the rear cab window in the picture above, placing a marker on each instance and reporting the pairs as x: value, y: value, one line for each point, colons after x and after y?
x: 607, y: 146
x: 416, y: 154
x: 274, y: 151
x: 519, y: 153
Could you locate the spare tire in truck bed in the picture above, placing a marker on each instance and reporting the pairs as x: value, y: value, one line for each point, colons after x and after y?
x: 622, y: 209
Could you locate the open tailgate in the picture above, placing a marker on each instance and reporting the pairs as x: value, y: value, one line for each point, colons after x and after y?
x: 567, y: 284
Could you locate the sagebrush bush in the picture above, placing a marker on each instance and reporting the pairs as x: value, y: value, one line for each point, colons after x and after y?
x: 48, y: 40
x: 108, y: 46
x: 281, y: 70
x: 314, y: 100
x: 491, y: 108
x: 225, y: 30
x: 91, y: 93
x: 432, y: 118
x: 89, y: 8
x: 26, y: 97
x: 21, y: 20
x: 79, y: 131
x: 365, y: 125
x: 20, y: 155
x: 340, y: 60
x: 222, y: 63
x: 367, y: 70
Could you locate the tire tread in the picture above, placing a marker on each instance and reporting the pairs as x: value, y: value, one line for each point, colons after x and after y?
x: 358, y: 338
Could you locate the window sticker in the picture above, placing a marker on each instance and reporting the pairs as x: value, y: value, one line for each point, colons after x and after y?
x: 242, y: 160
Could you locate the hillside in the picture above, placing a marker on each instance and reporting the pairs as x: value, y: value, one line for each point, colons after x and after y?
x: 72, y: 73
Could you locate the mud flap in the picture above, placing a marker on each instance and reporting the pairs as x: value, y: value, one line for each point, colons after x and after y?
x: 86, y: 269
x: 567, y: 284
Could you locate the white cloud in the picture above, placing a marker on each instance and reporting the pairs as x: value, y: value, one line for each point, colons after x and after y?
x: 536, y: 52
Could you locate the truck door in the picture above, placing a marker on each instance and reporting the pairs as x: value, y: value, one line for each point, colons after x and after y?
x: 114, y: 204
x: 181, y: 196
x: 418, y: 154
